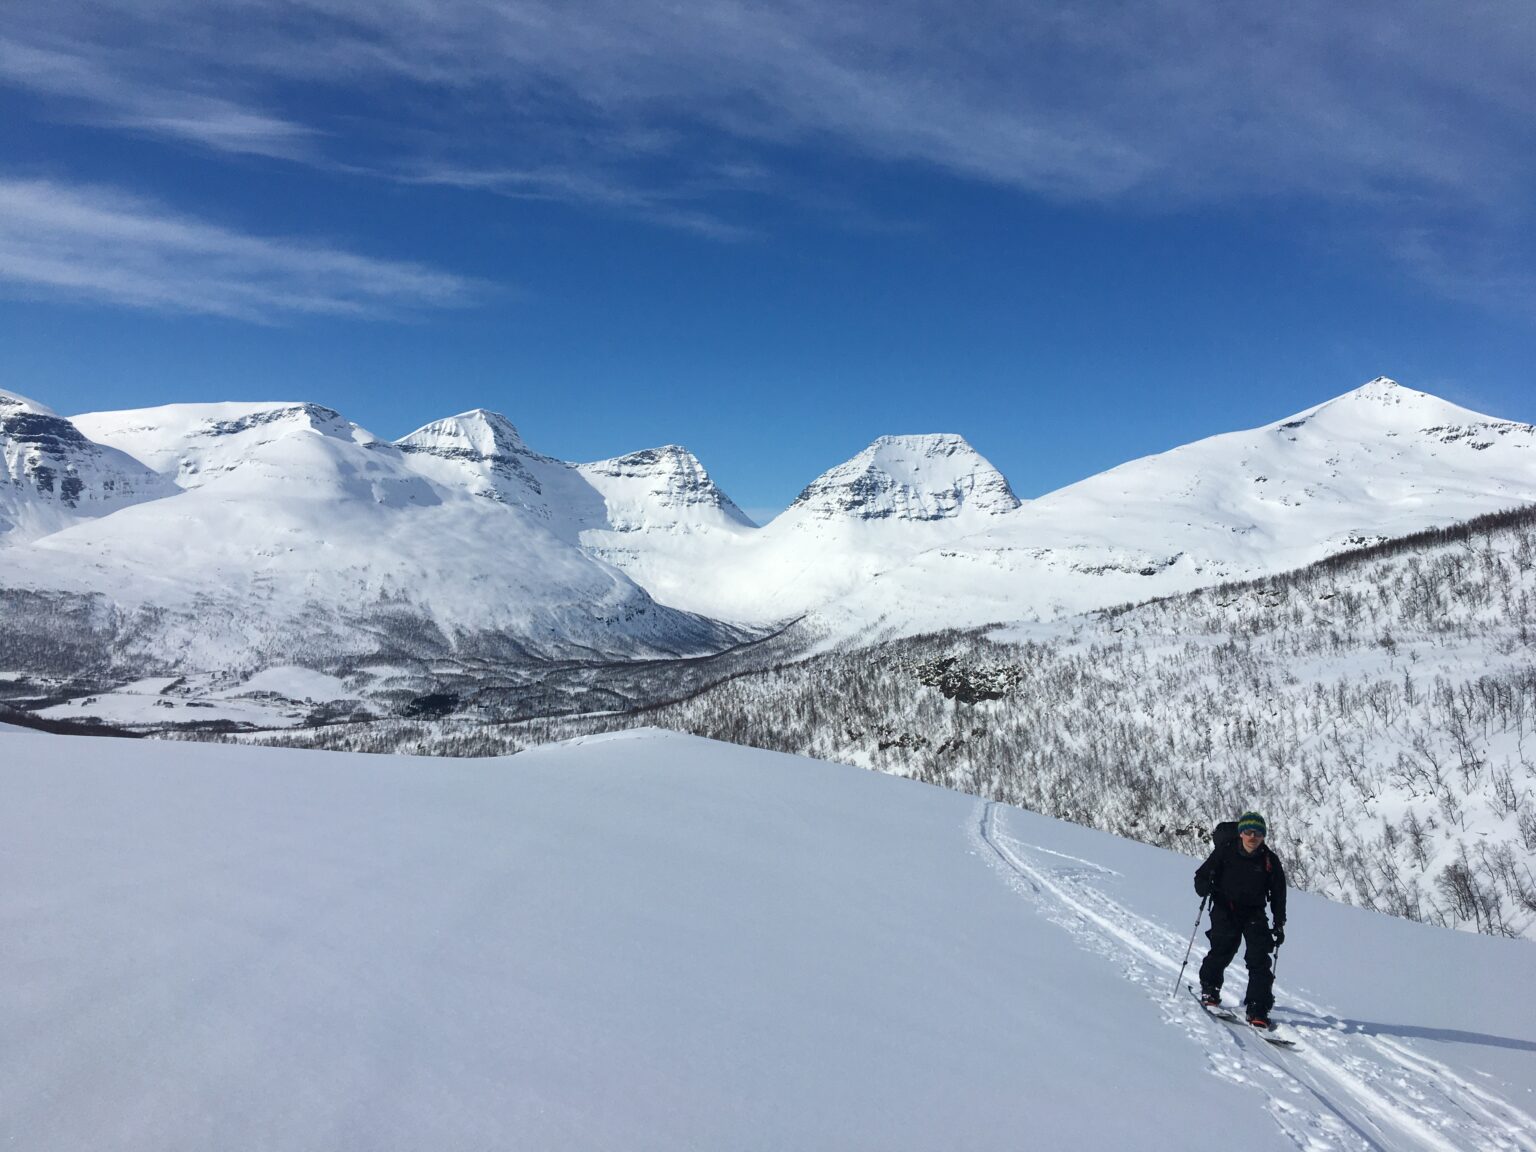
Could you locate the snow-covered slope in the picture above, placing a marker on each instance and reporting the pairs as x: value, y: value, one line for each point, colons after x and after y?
x: 297, y: 529
x: 51, y: 476
x: 656, y: 942
x: 482, y: 453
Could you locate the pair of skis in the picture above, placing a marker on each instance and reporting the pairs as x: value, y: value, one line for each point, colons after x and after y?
x: 1227, y: 1016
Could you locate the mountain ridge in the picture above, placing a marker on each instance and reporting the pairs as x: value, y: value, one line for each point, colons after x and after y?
x: 291, y: 506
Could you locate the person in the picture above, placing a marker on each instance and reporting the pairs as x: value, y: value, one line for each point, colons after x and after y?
x: 1240, y: 875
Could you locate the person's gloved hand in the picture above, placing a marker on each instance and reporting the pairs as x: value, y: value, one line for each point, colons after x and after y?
x: 1202, y: 886
x: 1279, y: 934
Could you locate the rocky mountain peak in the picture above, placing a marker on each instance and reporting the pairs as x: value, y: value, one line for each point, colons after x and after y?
x: 932, y: 477
x: 483, y: 448
x: 666, y: 482
x: 478, y: 435
x: 12, y: 403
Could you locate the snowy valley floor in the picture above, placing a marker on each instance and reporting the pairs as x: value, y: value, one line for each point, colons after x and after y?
x: 651, y: 941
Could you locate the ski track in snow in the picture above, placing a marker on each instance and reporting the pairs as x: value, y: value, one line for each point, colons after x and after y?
x: 1338, y: 1091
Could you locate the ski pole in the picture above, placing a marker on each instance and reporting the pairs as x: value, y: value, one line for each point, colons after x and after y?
x: 1200, y: 915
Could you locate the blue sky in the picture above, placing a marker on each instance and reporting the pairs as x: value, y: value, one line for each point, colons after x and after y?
x: 771, y: 231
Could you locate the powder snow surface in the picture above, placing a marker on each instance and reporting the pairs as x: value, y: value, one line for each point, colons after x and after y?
x: 651, y: 941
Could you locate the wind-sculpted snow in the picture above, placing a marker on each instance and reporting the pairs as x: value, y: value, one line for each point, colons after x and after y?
x: 651, y: 941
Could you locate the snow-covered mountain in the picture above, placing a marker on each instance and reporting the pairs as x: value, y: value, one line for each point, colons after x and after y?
x: 921, y: 478
x: 296, y: 531
x: 1378, y: 462
x: 52, y: 476
x: 657, y: 942
x: 286, y: 526
x: 662, y: 490
x: 901, y: 497
x: 920, y: 532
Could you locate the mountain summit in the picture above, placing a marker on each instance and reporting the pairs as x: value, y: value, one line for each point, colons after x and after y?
x: 935, y: 477
x: 661, y: 487
x: 481, y: 452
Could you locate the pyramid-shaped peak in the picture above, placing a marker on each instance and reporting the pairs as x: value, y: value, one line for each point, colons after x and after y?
x: 1384, y: 405
x: 930, y: 477
x: 477, y: 434
x: 657, y: 486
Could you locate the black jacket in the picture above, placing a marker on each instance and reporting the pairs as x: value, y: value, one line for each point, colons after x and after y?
x: 1243, y: 882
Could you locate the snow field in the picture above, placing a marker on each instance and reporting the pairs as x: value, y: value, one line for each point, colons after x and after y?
x: 646, y: 940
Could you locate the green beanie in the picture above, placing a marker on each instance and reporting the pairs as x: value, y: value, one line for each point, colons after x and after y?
x: 1252, y: 822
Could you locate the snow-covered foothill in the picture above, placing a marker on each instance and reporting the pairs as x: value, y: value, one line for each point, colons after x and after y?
x: 651, y: 941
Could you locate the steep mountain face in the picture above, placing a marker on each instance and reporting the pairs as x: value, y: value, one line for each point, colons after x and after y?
x: 909, y: 478
x: 52, y: 476
x: 481, y: 453
x: 661, y: 488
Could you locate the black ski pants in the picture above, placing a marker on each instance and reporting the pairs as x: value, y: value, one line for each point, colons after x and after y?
x: 1229, y: 927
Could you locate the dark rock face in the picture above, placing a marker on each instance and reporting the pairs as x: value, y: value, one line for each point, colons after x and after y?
x: 969, y: 685
x: 47, y: 460
x: 322, y: 418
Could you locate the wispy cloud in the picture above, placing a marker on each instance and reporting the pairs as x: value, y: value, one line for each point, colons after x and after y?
x: 91, y: 90
x: 672, y: 207
x: 99, y: 245
x: 1395, y: 108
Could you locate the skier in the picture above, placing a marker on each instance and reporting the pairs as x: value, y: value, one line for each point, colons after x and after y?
x: 1239, y: 875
